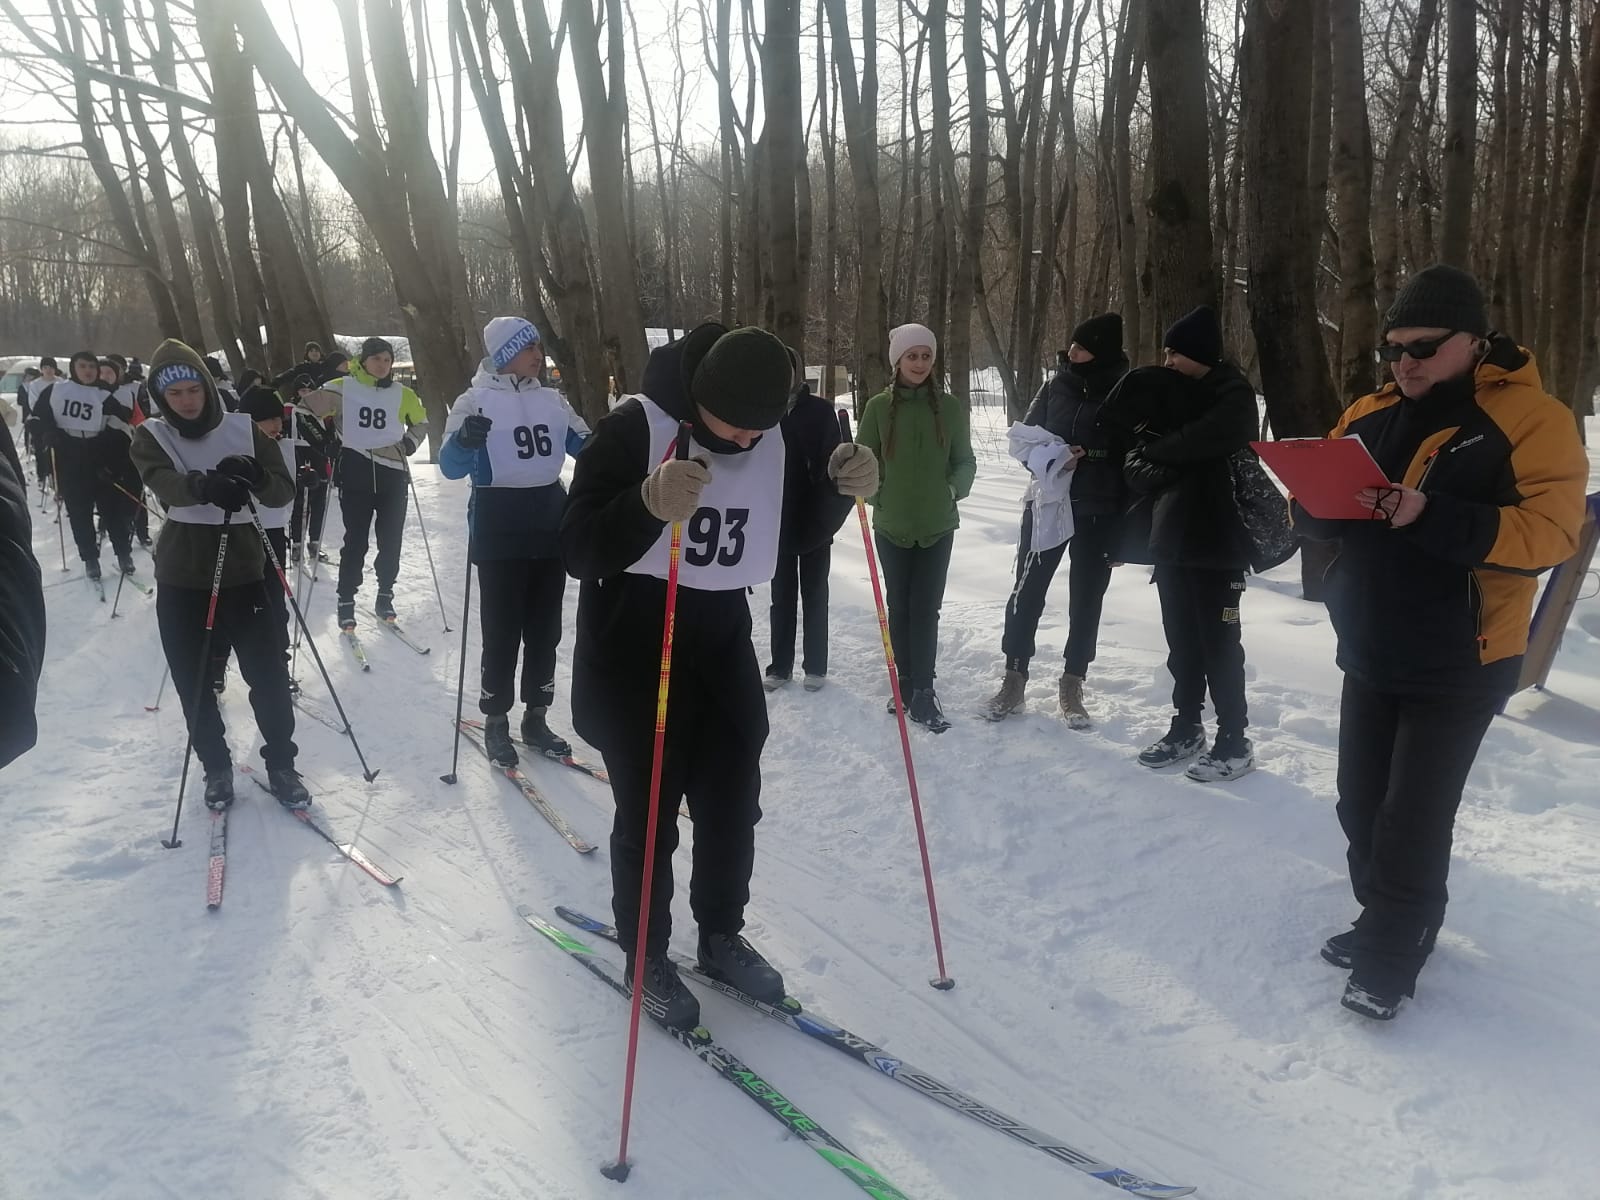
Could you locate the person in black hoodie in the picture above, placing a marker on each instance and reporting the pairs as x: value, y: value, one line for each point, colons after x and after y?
x: 805, y: 552
x: 627, y: 490
x: 22, y: 618
x: 1179, y: 467
x: 1069, y: 407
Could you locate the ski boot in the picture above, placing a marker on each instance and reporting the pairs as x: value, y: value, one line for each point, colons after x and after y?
x: 925, y: 711
x: 497, y: 740
x: 537, y: 736
x: 666, y: 998
x: 287, y: 787
x: 732, y: 959
x: 385, y: 606
x: 125, y: 562
x: 219, y: 788
x: 347, y: 614
x: 91, y: 568
x: 1182, y: 741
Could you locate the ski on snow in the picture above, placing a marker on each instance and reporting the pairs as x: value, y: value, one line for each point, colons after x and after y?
x: 819, y: 1028
x: 349, y: 850
x: 218, y: 862
x: 349, y: 635
x: 577, y: 764
x: 727, y: 1065
x: 138, y: 584
x: 392, y: 624
x: 534, y: 796
x: 317, y: 713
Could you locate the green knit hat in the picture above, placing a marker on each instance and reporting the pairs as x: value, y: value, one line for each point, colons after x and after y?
x: 745, y: 379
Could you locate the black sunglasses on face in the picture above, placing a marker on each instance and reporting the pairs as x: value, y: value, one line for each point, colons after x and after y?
x: 1420, y: 349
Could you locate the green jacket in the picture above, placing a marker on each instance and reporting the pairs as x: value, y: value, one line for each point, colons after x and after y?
x: 923, y: 441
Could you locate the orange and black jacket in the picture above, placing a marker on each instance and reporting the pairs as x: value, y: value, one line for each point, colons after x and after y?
x: 1443, y: 604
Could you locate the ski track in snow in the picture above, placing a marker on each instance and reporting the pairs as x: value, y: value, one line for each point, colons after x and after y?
x: 1135, y: 954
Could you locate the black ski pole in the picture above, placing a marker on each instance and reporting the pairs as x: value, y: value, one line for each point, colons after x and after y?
x: 200, y: 677
x: 461, y: 673
x: 423, y: 525
x: 160, y: 691
x: 55, y: 475
x: 367, y: 772
x: 117, y: 599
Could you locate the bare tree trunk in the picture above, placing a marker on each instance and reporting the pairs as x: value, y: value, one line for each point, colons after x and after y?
x: 1539, y: 182
x: 1567, y: 336
x: 668, y: 282
x: 830, y: 132
x: 1461, y: 132
x: 1352, y: 177
x: 1180, y: 250
x: 1319, y: 145
x: 967, y: 295
x: 1126, y: 73
x: 780, y: 81
x: 1551, y: 231
x: 722, y: 71
x: 1505, y: 289
x: 1386, y: 206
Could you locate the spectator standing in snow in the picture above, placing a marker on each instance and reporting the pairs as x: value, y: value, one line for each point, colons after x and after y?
x: 921, y: 437
x: 1199, y: 547
x: 1068, y: 406
x: 805, y: 550
x: 1431, y: 601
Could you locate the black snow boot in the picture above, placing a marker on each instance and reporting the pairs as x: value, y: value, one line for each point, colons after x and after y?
x: 91, y: 568
x: 497, y: 740
x: 385, y: 606
x: 730, y: 958
x: 1182, y: 742
x: 666, y: 999
x: 925, y: 711
x: 1378, y: 1006
x: 219, y: 675
x: 347, y: 613
x: 286, y: 785
x: 536, y: 735
x: 219, y: 788
x: 1340, y: 949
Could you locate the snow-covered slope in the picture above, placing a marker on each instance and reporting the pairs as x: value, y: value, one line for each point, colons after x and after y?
x: 1135, y: 955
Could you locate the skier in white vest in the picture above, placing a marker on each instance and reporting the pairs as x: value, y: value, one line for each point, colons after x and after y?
x: 627, y: 490
x: 381, y: 422
x: 206, y: 465
x: 512, y: 435
x: 85, y: 426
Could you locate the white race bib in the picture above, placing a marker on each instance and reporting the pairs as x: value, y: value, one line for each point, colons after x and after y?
x: 278, y: 518
x: 731, y: 541
x: 370, y: 416
x: 78, y: 408
x: 527, y: 443
x: 235, y: 435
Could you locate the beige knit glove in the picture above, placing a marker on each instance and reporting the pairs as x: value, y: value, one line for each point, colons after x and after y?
x: 854, y: 470
x: 672, y: 491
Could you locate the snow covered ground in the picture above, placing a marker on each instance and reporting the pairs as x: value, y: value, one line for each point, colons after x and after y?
x: 1136, y: 955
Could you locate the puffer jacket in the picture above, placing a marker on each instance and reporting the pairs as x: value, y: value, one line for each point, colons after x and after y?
x: 1069, y: 406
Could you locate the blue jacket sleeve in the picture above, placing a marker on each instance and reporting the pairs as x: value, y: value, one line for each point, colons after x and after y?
x: 576, y: 441
x: 457, y: 462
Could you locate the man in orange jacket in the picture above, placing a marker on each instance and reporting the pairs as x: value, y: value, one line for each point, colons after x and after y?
x: 1431, y: 601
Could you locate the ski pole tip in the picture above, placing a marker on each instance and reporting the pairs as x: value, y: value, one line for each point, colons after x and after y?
x: 618, y: 1171
x: 450, y: 779
x: 369, y: 776
x: 944, y: 983
x: 173, y: 844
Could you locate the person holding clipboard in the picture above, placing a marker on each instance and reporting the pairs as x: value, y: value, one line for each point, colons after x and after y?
x: 1431, y: 595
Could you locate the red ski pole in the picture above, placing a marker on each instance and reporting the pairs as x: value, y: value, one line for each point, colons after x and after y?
x: 942, y: 981
x: 619, y: 1169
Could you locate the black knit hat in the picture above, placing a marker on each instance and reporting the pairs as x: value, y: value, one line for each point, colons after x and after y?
x: 744, y: 379
x: 261, y: 403
x: 1439, y: 297
x: 1197, y: 335
x: 310, y: 346
x: 374, y: 345
x: 1101, y: 336
x: 48, y: 361
x: 83, y: 356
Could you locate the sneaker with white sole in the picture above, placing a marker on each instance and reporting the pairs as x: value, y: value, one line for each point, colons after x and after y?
x: 773, y: 682
x: 1230, y: 756
x: 815, y: 683
x: 1179, y: 744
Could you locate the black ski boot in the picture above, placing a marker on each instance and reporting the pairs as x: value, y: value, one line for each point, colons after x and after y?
x: 666, y: 999
x: 347, y: 614
x: 497, y: 740
x: 287, y: 787
x: 536, y: 735
x: 219, y: 675
x: 730, y: 958
x: 219, y: 788
x: 91, y: 568
x: 385, y: 606
x: 1181, y: 742
x: 125, y: 562
x: 925, y: 711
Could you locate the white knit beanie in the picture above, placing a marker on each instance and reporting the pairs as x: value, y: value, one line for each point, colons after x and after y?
x: 904, y: 337
x: 506, y: 337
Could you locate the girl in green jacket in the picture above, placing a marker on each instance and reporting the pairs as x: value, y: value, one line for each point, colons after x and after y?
x: 922, y: 439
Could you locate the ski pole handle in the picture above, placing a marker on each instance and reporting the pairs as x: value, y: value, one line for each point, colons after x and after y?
x: 844, y: 426
x: 681, y: 445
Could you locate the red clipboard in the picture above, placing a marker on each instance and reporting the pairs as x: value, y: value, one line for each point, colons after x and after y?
x: 1324, y: 474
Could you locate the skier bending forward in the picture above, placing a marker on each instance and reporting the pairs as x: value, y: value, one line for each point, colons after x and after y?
x: 627, y: 489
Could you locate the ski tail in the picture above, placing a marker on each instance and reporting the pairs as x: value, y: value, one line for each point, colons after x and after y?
x: 472, y: 731
x: 218, y: 862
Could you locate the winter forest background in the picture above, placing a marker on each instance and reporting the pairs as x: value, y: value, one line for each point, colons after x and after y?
x: 996, y: 168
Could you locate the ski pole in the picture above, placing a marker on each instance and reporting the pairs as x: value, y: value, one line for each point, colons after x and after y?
x: 55, y: 475
x: 942, y: 981
x: 160, y: 691
x: 423, y: 525
x: 619, y: 1169
x: 461, y: 672
x: 192, y: 713
x: 117, y: 599
x: 367, y: 772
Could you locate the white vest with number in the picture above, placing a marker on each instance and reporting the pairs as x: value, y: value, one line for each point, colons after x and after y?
x: 370, y: 416
x: 527, y: 443
x: 235, y: 435
x: 278, y: 518
x: 731, y: 542
x: 292, y: 417
x: 79, y: 409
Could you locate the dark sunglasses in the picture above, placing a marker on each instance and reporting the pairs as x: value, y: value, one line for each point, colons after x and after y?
x: 1420, y: 349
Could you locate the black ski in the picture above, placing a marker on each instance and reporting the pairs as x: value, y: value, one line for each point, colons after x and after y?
x: 698, y: 1042
x: 392, y: 624
x: 902, y: 1072
x: 533, y: 795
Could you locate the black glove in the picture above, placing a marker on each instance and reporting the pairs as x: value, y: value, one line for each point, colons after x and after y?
x: 243, y: 468
x: 474, y: 432
x: 112, y: 407
x: 408, y: 444
x: 213, y: 487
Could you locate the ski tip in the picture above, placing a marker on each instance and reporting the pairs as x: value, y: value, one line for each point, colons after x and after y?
x: 581, y: 920
x: 1136, y: 1185
x: 944, y: 983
